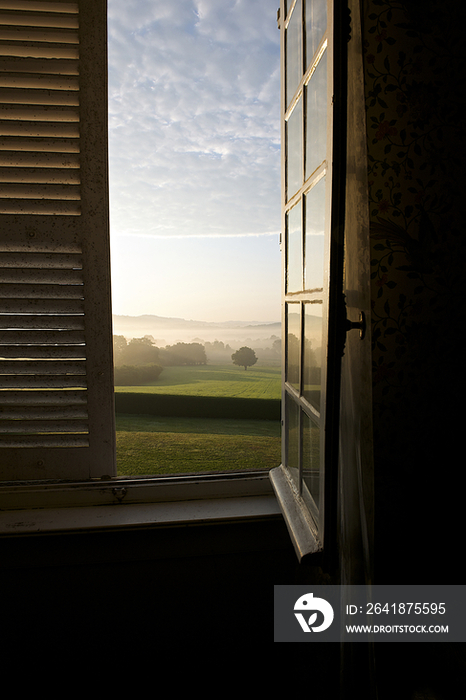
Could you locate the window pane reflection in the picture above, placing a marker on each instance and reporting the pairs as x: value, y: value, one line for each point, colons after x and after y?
x: 316, y: 117
x: 312, y: 360
x: 293, y: 339
x: 311, y: 456
x: 315, y: 237
x: 294, y: 148
x: 294, y: 55
x: 292, y: 444
x: 294, y: 251
x: 316, y: 24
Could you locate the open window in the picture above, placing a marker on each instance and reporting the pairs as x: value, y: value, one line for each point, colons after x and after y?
x: 56, y: 383
x: 57, y: 432
x: 313, y: 103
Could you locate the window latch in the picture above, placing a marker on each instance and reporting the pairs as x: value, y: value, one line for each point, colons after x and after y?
x: 346, y: 325
x: 357, y: 325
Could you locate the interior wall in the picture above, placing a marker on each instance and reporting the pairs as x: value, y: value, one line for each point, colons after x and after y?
x: 414, y: 88
x: 201, y: 584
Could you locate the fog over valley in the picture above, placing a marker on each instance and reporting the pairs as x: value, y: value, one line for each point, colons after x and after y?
x: 168, y: 331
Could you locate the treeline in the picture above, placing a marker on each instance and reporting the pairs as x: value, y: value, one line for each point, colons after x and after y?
x: 139, y: 361
x: 142, y: 351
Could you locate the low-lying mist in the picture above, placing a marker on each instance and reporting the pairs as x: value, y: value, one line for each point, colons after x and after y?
x: 168, y: 331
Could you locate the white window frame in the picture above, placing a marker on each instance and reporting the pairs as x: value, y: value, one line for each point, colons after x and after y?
x: 314, y: 533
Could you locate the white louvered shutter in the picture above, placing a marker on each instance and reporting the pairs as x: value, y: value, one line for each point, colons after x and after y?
x: 56, y: 371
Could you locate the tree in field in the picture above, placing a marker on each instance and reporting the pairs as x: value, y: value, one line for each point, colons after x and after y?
x: 244, y: 357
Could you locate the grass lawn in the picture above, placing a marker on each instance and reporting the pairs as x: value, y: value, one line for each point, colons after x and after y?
x: 153, y: 445
x: 215, y: 380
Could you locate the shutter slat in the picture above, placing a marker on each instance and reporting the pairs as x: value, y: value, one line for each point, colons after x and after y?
x: 43, y: 352
x: 25, y: 159
x: 18, y: 190
x: 40, y: 207
x: 46, y: 381
x: 44, y: 82
x: 41, y: 276
x: 40, y: 291
x: 43, y: 413
x: 38, y: 367
x: 43, y: 426
x: 43, y: 306
x: 59, y: 130
x: 55, y: 261
x: 11, y: 143
x: 63, y: 21
x: 30, y: 34
x: 38, y: 441
x: 44, y: 337
x: 41, y: 114
x: 42, y: 67
x: 41, y: 5
x: 43, y: 176
x: 31, y: 51
x: 43, y: 322
x: 27, y: 96
x: 38, y: 399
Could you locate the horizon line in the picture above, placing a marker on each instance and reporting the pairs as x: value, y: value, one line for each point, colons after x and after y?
x: 195, y: 320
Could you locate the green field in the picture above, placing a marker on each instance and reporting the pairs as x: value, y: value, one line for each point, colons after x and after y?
x: 150, y: 445
x: 214, y: 380
x: 153, y: 445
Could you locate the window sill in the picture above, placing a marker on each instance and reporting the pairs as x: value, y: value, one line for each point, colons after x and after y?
x: 34, y: 509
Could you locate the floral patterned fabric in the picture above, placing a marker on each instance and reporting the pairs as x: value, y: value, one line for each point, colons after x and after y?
x: 413, y: 60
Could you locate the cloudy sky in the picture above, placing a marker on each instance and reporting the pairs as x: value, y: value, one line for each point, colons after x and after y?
x: 195, y: 158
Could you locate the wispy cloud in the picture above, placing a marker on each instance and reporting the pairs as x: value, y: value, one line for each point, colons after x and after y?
x: 193, y: 118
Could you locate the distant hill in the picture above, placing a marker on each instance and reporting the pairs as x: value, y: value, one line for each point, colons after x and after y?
x: 166, y: 322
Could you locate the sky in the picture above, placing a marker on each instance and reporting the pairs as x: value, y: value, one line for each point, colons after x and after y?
x: 194, y: 154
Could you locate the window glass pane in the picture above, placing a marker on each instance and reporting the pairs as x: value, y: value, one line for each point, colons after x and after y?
x: 292, y: 438
x: 316, y: 24
x: 294, y: 251
x: 315, y: 237
x: 312, y: 360
x: 294, y: 53
x: 293, y: 339
x: 311, y: 456
x: 294, y: 150
x: 316, y: 117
